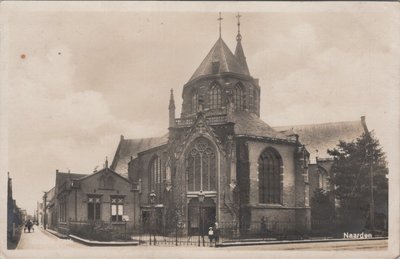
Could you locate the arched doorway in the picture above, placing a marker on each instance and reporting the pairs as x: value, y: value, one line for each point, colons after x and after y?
x: 201, y: 216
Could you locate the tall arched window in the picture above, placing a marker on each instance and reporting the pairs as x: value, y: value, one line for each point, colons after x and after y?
x: 194, y: 103
x: 250, y: 99
x: 201, y: 170
x: 269, y: 176
x: 237, y: 97
x: 156, y: 176
x: 215, y: 96
x: 323, y: 179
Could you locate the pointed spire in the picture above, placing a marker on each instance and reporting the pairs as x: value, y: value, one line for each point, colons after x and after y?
x: 171, y: 109
x: 106, y: 164
x: 239, y: 36
x: 239, y: 53
x: 171, y: 100
x: 220, y: 19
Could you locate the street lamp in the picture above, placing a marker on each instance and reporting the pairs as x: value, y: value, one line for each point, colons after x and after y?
x: 201, y: 197
x: 152, y: 202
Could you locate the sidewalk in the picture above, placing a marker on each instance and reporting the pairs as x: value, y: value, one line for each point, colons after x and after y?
x: 275, y: 242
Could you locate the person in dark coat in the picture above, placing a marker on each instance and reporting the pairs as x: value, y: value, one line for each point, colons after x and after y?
x: 263, y: 227
x: 216, y: 233
x: 30, y: 224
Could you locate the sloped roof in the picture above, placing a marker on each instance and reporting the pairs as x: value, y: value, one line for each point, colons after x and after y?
x: 227, y: 61
x: 128, y: 148
x: 104, y: 170
x: 62, y: 177
x: 240, y: 57
x: 325, y: 136
x: 250, y: 124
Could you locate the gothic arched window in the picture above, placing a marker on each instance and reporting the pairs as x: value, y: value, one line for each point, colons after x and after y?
x: 194, y: 103
x: 250, y: 99
x: 323, y: 179
x: 201, y: 161
x: 156, y: 176
x: 269, y: 176
x: 215, y: 96
x: 237, y: 97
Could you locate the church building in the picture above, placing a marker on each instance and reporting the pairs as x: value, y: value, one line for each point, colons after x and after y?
x: 218, y: 159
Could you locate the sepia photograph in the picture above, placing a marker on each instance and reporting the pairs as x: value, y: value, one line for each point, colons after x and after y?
x: 199, y: 129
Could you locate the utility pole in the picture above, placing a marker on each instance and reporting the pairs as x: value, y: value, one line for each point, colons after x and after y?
x: 372, y: 204
x: 371, y: 176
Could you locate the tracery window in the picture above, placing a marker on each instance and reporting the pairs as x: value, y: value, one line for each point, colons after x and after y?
x: 323, y: 179
x: 215, y: 96
x: 269, y: 176
x: 250, y: 99
x: 237, y: 97
x: 156, y: 176
x: 201, y: 161
x: 194, y: 103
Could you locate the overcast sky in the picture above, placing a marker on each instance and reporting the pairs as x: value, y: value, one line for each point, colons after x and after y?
x: 76, y: 81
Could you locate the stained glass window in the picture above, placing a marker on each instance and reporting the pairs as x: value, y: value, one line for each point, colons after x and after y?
x: 201, y: 166
x: 269, y: 174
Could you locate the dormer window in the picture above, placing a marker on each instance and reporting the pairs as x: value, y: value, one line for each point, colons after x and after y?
x: 215, y: 67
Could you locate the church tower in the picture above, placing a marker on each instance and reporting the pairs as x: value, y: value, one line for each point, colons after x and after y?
x: 221, y: 80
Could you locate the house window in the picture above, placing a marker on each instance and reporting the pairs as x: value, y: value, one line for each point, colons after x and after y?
x: 156, y: 176
x: 215, y: 97
x: 94, y: 203
x: 117, y: 208
x: 201, y: 170
x: 63, y: 210
x: 269, y: 176
x: 237, y: 97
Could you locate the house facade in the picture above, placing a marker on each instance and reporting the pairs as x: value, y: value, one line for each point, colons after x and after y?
x: 80, y: 199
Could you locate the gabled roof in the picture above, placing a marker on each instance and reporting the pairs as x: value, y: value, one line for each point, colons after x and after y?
x: 227, y: 61
x: 104, y: 170
x: 128, y: 148
x: 325, y: 136
x: 250, y: 124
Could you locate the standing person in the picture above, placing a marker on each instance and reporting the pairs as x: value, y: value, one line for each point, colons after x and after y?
x: 216, y: 233
x: 263, y: 227
x: 29, y: 225
x: 210, y: 235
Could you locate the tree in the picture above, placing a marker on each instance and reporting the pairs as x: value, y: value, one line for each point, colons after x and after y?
x: 321, y: 206
x: 354, y: 163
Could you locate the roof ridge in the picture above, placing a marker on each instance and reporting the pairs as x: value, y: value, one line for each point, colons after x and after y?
x: 315, y: 124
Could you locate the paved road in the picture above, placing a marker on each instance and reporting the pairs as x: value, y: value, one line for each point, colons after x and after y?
x: 44, y: 240
x: 348, y: 245
x: 45, y: 245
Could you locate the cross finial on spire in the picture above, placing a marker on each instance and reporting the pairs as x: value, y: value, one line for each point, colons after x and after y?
x: 220, y: 19
x: 238, y: 37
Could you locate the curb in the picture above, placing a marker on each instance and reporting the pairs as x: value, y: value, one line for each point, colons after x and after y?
x: 244, y: 243
x: 100, y: 243
x: 55, y: 233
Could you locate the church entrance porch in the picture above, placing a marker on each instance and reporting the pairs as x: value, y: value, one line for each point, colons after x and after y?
x: 201, y: 216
